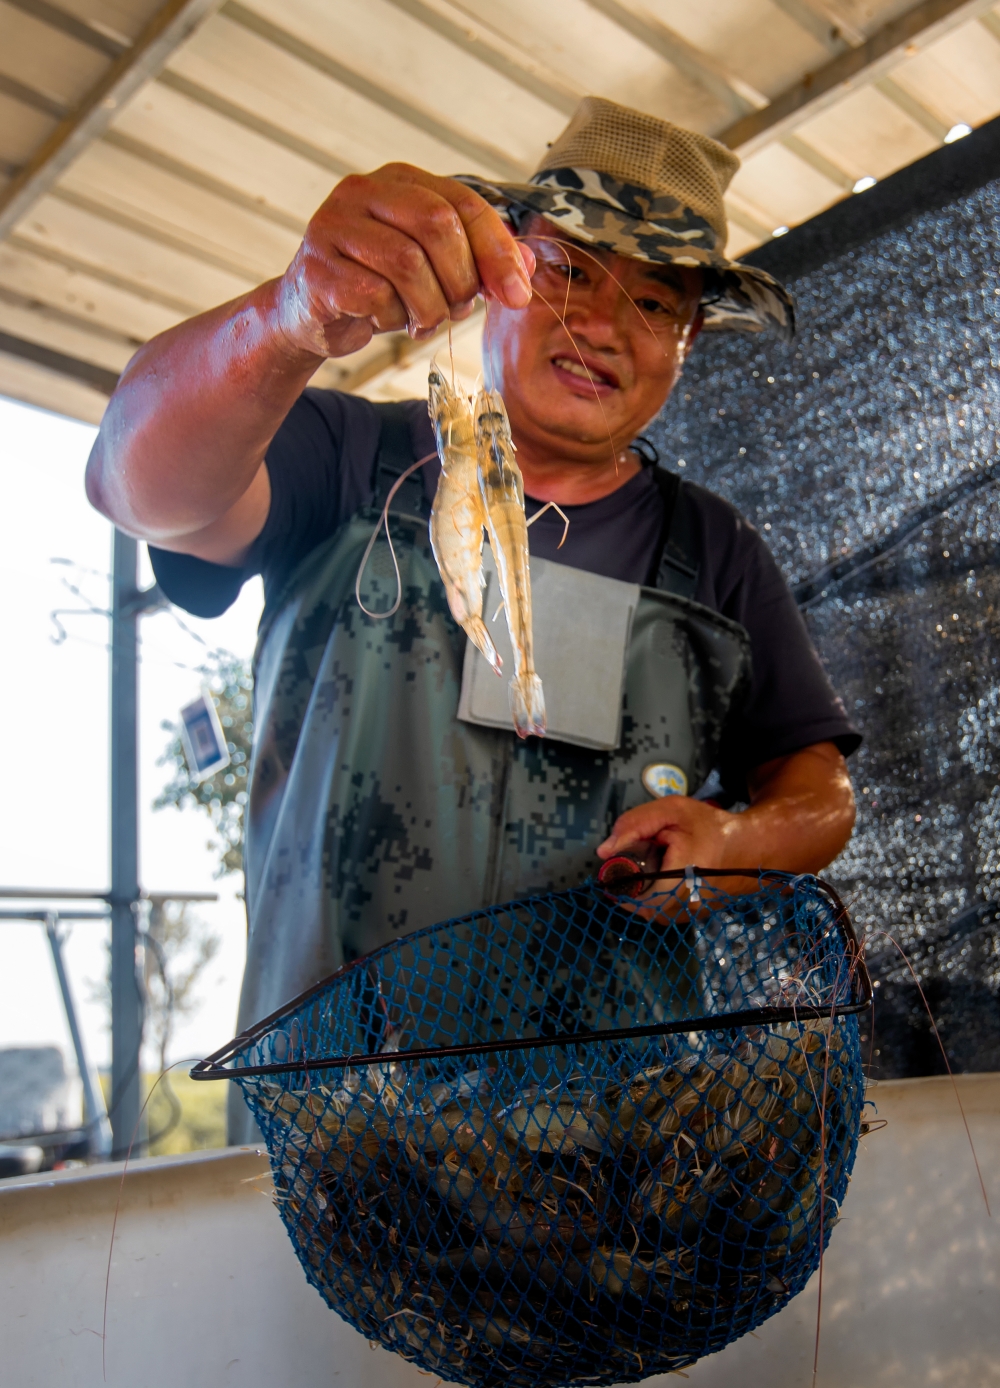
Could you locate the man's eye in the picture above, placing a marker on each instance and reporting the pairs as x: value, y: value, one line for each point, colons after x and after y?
x: 656, y: 306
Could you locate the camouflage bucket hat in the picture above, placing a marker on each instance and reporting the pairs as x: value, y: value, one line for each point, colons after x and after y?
x: 645, y: 188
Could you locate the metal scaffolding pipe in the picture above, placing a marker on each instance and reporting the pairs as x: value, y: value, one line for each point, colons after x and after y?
x: 95, y: 1114
x: 126, y: 991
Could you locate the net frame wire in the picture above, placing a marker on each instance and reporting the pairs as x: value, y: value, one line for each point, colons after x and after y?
x: 214, y: 1067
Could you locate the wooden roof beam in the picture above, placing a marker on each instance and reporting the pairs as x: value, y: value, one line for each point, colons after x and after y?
x: 249, y: 120
x: 917, y: 111
x: 816, y: 24
x: 476, y: 150
x: 198, y: 178
x: 80, y: 29
x: 30, y: 96
x: 751, y: 224
x: 173, y: 22
x: 825, y: 21
x: 811, y: 156
x: 713, y: 76
x: 870, y: 61
x: 546, y: 89
x: 97, y: 377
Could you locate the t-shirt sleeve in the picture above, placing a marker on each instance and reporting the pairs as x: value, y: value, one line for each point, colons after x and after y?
x: 791, y: 703
x: 320, y: 465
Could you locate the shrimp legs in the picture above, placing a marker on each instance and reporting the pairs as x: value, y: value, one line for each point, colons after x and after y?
x: 502, y: 492
x: 458, y: 514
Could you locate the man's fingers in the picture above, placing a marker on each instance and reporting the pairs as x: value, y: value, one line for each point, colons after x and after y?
x: 405, y: 248
x: 397, y: 259
x: 432, y: 223
x: 643, y: 823
x: 501, y: 269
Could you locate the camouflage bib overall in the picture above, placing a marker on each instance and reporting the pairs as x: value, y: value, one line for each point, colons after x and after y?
x: 374, y: 811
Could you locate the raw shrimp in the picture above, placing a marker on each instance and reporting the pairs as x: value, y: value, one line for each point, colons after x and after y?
x: 502, y: 492
x: 458, y: 515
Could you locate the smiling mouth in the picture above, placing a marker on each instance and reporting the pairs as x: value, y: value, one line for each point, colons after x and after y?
x: 592, y: 375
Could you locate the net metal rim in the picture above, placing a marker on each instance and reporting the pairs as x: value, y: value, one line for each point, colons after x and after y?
x: 214, y: 1067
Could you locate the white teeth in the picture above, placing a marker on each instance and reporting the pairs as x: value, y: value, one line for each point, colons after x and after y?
x: 577, y: 369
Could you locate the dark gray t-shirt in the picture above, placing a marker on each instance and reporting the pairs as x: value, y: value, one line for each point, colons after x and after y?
x: 321, y: 466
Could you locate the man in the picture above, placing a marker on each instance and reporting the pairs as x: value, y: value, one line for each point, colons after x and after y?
x: 378, y: 802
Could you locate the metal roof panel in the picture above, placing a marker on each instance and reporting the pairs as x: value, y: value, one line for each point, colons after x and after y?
x: 790, y: 190
x: 249, y: 71
x: 50, y: 328
x: 49, y: 390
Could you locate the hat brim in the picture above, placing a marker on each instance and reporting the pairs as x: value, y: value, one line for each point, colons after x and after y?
x: 737, y: 298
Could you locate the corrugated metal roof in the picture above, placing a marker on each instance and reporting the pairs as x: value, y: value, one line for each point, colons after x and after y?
x: 158, y: 159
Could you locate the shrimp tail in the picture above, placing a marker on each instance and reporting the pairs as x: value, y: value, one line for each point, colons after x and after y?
x: 527, y: 704
x: 475, y: 630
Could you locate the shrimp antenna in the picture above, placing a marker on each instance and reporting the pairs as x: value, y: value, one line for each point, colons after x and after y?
x: 562, y: 319
x: 488, y: 361
x: 451, y: 355
x: 607, y: 425
x: 597, y: 261
x: 552, y: 506
x: 944, y: 1056
x: 384, y: 520
x: 191, y: 1060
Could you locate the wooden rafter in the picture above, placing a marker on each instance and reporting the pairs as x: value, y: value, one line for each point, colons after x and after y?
x: 859, y: 66
x: 547, y: 89
x: 170, y: 26
x: 476, y: 150
x: 97, y: 377
x: 709, y: 73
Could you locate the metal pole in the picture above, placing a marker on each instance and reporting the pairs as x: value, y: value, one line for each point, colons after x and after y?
x: 95, y: 1115
x: 126, y: 994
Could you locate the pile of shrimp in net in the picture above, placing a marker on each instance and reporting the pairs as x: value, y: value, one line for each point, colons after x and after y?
x: 570, y: 1207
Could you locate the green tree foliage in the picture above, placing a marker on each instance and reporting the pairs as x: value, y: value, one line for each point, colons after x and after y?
x: 179, y: 948
x: 224, y: 795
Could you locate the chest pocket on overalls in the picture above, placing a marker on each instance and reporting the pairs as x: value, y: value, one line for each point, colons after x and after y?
x: 644, y: 675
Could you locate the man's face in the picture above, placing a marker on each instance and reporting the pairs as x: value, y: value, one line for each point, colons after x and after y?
x: 596, y: 352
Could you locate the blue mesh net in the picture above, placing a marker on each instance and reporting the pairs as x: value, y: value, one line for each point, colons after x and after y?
x: 575, y: 1139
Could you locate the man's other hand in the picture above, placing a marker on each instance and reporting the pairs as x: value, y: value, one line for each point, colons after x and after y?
x: 800, y: 816
x: 397, y: 248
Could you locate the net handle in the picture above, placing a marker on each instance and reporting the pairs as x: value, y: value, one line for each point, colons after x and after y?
x: 727, y: 1021
x: 213, y: 1067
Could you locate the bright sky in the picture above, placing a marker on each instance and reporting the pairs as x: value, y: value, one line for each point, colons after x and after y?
x: 54, y: 713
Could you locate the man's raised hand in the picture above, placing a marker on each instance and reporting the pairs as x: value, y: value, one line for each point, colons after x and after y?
x: 396, y: 249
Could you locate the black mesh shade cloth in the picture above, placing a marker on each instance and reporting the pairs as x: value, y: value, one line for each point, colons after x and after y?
x: 866, y: 452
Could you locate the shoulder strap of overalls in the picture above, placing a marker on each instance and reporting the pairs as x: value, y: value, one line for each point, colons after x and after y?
x: 677, y: 571
x: 395, y: 455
